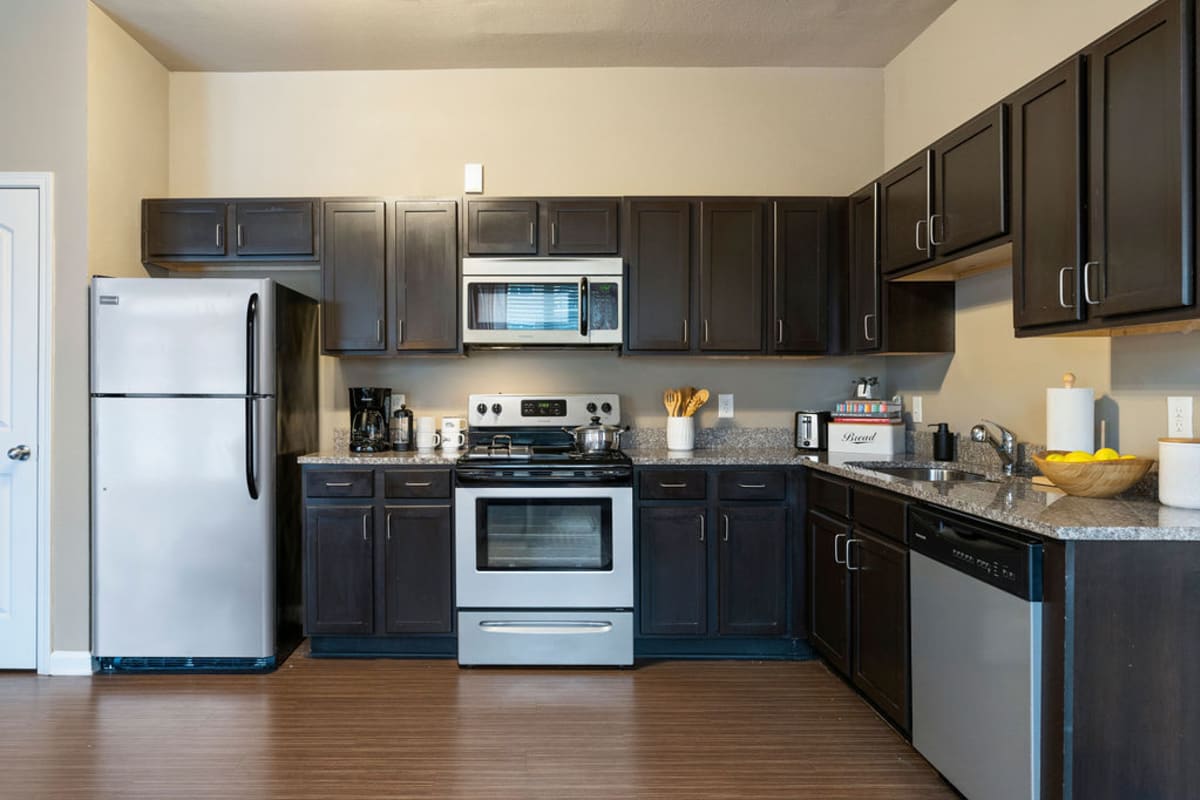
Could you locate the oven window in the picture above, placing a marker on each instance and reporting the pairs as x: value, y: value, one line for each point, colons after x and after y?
x: 544, y: 534
x: 523, y: 306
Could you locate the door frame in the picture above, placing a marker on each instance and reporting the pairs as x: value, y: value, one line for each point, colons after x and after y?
x: 43, y: 182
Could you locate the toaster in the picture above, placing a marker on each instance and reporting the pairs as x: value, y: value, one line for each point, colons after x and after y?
x: 812, y: 430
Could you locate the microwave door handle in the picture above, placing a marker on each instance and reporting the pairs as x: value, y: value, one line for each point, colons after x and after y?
x: 583, y: 307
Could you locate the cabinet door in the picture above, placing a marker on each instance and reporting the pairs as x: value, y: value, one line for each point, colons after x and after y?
x: 338, y: 561
x: 752, y: 571
x: 865, y: 318
x: 1048, y: 201
x: 970, y: 197
x: 880, y: 602
x: 1140, y: 249
x: 183, y: 228
x: 731, y: 276
x: 275, y: 228
x: 418, y: 569
x: 427, y: 291
x: 904, y: 214
x: 659, y: 251
x: 501, y: 227
x: 829, y: 598
x: 800, y: 277
x: 581, y: 227
x: 674, y: 571
x: 353, y: 276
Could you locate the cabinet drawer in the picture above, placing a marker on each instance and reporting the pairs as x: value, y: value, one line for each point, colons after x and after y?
x: 340, y: 483
x: 661, y: 484
x: 882, y: 513
x: 752, y: 485
x: 416, y: 483
x: 829, y: 495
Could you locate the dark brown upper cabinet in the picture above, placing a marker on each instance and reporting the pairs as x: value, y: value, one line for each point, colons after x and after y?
x: 904, y: 212
x: 731, y: 276
x: 426, y: 276
x: 354, y: 276
x: 800, y: 277
x: 970, y: 184
x: 1141, y: 130
x: 183, y: 228
x: 502, y: 227
x: 580, y: 227
x: 230, y: 231
x: 1048, y: 197
x: 275, y: 228
x: 889, y: 316
x: 658, y: 248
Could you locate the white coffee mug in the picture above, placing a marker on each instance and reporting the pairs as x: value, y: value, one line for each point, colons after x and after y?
x: 427, y: 440
x: 452, y: 438
x: 425, y: 424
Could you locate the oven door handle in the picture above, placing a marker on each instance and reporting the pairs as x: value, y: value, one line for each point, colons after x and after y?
x: 556, y: 627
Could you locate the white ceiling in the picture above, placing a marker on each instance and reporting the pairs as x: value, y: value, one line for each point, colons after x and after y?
x: 255, y: 35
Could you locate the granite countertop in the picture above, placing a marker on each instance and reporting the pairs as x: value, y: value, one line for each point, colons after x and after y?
x: 716, y: 456
x: 341, y: 456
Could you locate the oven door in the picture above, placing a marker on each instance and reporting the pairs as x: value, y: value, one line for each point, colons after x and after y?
x: 548, y: 310
x: 534, y: 547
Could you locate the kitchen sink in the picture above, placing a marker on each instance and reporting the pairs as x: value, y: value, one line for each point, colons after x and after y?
x: 930, y: 474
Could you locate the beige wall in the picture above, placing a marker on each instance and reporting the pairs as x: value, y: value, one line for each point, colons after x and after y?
x: 126, y: 144
x: 977, y: 52
x: 577, y: 131
x: 44, y: 97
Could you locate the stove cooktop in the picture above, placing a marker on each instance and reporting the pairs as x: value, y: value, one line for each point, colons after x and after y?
x: 502, y: 455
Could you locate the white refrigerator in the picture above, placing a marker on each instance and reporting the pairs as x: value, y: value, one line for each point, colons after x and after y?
x: 203, y: 394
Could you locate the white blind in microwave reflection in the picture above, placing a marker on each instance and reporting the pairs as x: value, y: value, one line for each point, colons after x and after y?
x: 524, y: 306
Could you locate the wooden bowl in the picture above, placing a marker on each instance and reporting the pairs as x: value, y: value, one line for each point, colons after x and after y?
x: 1094, y: 478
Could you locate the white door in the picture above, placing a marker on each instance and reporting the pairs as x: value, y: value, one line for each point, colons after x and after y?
x: 18, y: 427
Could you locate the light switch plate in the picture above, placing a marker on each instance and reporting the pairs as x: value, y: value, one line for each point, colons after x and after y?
x: 918, y: 408
x: 725, y: 406
x: 1179, y: 417
x: 473, y: 179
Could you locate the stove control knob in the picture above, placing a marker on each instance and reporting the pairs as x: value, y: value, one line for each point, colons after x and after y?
x: 591, y: 408
x: 481, y: 408
x: 606, y: 408
x: 496, y: 408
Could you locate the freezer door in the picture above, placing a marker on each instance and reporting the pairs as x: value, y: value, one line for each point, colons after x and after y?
x: 184, y: 559
x: 182, y: 336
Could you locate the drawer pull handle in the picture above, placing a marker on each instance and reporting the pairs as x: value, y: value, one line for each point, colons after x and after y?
x: 338, y: 485
x: 551, y: 627
x: 752, y: 486
x: 672, y: 485
x: 418, y: 484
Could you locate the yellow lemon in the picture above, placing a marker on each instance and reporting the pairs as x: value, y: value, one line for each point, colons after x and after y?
x: 1078, y: 456
x: 1106, y: 454
x: 1127, y: 458
x: 1055, y: 457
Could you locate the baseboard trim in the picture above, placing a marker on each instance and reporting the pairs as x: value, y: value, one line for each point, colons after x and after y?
x: 70, y: 662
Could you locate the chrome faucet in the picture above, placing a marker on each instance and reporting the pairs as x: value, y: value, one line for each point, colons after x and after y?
x: 1005, y: 446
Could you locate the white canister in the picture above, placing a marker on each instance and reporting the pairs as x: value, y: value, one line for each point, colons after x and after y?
x: 1179, y: 472
x: 681, y: 433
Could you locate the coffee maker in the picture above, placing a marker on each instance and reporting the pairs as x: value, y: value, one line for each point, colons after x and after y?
x: 369, y: 408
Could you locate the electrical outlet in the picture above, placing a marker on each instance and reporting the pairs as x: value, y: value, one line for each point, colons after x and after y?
x: 1179, y: 417
x: 725, y: 406
x: 918, y: 408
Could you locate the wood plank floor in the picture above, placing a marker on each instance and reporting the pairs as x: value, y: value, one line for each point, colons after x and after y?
x: 321, y: 728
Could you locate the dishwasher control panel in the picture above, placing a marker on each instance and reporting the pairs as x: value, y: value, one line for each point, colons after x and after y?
x: 1002, y: 557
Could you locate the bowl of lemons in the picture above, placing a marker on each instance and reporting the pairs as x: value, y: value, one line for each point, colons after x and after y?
x: 1104, y: 473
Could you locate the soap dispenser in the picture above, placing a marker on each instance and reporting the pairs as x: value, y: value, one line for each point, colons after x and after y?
x: 943, y: 442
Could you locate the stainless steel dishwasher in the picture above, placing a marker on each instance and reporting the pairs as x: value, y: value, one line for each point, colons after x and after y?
x: 976, y: 593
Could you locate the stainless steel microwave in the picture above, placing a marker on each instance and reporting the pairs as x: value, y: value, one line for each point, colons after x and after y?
x: 542, y: 301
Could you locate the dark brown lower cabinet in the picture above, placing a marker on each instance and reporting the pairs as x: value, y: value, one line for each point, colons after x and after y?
x: 674, y: 570
x: 829, y: 585
x: 752, y: 571
x: 418, y: 569
x: 339, y: 594
x: 879, y: 592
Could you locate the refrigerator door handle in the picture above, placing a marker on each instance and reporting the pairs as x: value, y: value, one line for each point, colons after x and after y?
x: 251, y: 438
x: 251, y: 342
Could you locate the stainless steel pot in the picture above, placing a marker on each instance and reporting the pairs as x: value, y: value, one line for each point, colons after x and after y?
x: 597, y: 438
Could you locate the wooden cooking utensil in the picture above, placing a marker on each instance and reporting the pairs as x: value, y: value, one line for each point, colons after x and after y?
x: 669, y: 401
x: 697, y: 400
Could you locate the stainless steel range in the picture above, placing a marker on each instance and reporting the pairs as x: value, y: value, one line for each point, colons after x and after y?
x: 543, y: 536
